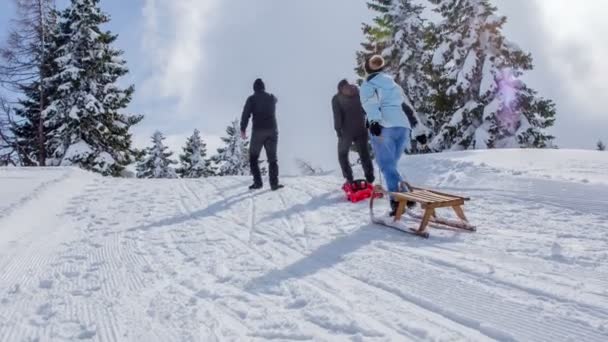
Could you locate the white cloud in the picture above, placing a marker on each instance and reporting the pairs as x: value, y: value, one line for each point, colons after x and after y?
x: 200, y: 57
x: 576, y: 35
x: 173, y: 45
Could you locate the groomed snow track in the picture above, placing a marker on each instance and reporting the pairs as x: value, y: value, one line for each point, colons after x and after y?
x: 90, y: 258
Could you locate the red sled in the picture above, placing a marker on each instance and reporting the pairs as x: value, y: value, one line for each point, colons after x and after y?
x: 359, y: 190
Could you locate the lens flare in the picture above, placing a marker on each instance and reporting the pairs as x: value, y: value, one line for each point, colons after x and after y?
x: 508, y: 87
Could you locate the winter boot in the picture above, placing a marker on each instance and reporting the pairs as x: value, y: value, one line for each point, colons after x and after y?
x: 255, y: 186
x: 394, y: 207
x: 276, y: 187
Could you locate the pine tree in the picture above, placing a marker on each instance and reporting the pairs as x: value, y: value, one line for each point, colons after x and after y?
x: 233, y: 158
x: 157, y: 160
x: 91, y: 131
x: 32, y: 145
x: 194, y: 162
x: 27, y: 63
x: 601, y: 146
x: 378, y: 35
x: 8, y: 151
x: 480, y: 98
x: 399, y: 34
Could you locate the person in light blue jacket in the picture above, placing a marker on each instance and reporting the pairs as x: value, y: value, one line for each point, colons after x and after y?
x: 384, y: 103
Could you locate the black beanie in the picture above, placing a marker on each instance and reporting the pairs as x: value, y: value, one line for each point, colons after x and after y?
x: 342, y: 83
x: 259, y: 85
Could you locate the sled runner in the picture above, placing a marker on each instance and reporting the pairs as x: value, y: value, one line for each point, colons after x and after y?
x: 359, y: 190
x: 430, y: 201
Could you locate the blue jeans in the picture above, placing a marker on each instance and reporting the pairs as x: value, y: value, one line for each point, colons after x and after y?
x: 388, y: 148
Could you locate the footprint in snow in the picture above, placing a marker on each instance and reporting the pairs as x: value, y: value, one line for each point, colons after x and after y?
x: 72, y: 330
x: 46, y: 284
x: 14, y: 290
x: 71, y: 274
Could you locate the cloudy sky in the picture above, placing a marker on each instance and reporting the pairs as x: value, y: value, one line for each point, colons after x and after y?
x: 193, y: 62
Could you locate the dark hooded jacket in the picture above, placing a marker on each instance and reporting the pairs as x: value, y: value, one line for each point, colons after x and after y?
x: 262, y: 107
x: 349, y: 116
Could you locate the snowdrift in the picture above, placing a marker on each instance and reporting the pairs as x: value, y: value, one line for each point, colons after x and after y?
x: 92, y: 258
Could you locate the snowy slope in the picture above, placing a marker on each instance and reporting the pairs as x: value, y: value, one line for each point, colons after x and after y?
x: 85, y: 257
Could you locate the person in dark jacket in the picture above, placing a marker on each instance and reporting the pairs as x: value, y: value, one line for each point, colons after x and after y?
x: 261, y: 106
x: 350, y: 126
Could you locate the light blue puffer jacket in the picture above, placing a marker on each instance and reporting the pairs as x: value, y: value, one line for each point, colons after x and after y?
x: 382, y: 98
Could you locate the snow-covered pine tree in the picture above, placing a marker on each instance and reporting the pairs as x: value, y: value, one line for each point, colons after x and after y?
x: 233, y: 158
x: 8, y: 152
x: 32, y: 145
x: 399, y: 34
x: 157, y: 160
x: 27, y: 63
x: 194, y: 161
x: 92, y: 132
x: 486, y: 104
x: 7, y: 148
x: 378, y: 35
x: 601, y: 146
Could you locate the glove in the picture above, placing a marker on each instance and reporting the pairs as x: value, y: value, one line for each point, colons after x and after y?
x: 375, y: 129
x: 421, y: 139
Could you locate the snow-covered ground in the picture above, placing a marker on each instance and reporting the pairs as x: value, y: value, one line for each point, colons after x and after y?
x: 86, y: 257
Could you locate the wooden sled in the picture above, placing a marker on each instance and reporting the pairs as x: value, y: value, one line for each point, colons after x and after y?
x: 430, y: 201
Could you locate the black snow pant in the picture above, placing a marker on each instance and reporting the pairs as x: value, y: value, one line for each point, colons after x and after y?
x: 362, y: 146
x: 267, y: 139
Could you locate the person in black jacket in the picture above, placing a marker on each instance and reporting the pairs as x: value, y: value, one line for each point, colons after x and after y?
x: 350, y: 126
x: 265, y: 134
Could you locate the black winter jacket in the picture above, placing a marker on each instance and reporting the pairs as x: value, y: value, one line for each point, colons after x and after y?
x: 349, y: 116
x: 262, y: 107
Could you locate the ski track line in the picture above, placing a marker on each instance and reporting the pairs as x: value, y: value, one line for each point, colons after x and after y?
x: 20, y: 250
x: 351, y: 278
x: 290, y: 212
x: 427, y: 312
x: 57, y: 315
x: 170, y: 281
x: 116, y: 278
x: 96, y: 269
x: 534, y: 274
x: 309, y: 284
x: 64, y: 174
x: 583, y: 198
x: 492, y: 332
x: 493, y: 283
x: 251, y: 219
x: 251, y: 328
x: 198, y: 264
x: 320, y: 289
x: 301, y: 217
x: 139, y: 284
x: 467, y: 303
x: 525, y: 237
x: 287, y: 223
x: 118, y: 265
x: 234, y: 199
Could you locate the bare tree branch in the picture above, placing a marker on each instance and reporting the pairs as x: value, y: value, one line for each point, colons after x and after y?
x: 22, y: 60
x: 8, y: 152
